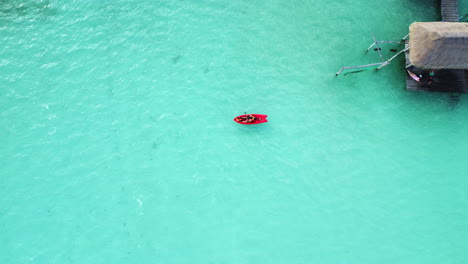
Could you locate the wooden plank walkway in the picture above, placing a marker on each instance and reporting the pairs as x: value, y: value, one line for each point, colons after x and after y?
x: 449, y: 10
x: 443, y: 80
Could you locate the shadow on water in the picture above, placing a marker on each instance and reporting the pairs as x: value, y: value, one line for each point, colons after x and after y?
x: 448, y: 101
x: 454, y: 100
x: 351, y: 72
x: 39, y: 9
x: 176, y: 59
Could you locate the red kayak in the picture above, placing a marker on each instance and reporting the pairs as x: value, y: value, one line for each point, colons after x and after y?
x: 251, y: 119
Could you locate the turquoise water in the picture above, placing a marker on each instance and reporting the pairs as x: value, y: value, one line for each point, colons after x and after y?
x: 118, y: 144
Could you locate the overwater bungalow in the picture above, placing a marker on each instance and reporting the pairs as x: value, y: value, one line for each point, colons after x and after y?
x: 436, y: 53
x: 437, y: 58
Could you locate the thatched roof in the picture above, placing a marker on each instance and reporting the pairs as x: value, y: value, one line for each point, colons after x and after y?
x: 439, y: 45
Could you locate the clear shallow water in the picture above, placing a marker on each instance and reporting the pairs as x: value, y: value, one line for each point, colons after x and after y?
x: 118, y: 144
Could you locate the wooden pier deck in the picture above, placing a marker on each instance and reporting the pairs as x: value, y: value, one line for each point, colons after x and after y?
x: 443, y: 81
x: 449, y: 10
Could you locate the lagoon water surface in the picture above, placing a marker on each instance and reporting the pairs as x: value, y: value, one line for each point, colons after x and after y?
x: 118, y: 145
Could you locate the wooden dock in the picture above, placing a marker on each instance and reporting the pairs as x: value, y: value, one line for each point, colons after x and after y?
x: 442, y: 81
x: 449, y: 9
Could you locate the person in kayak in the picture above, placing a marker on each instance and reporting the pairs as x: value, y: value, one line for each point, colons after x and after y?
x: 242, y: 119
x: 251, y: 119
x: 247, y: 119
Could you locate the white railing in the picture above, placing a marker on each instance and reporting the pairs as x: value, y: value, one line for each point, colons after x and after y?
x: 384, y: 62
